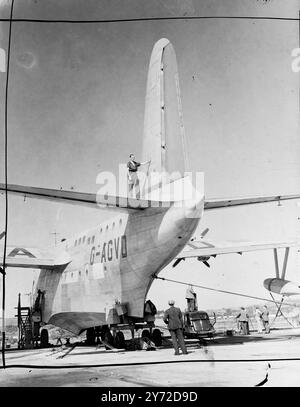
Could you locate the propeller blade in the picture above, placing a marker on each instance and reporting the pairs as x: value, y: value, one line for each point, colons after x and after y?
x: 204, y: 260
x: 204, y: 232
x: 177, y: 261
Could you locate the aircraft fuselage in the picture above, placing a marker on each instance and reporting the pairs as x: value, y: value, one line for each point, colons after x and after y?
x: 115, y: 263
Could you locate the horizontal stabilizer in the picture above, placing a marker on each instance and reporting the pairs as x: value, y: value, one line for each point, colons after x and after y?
x: 227, y: 203
x: 29, y: 263
x: 34, y: 258
x: 84, y: 198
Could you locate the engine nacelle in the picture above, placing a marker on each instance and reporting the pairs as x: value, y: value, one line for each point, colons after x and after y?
x: 282, y: 287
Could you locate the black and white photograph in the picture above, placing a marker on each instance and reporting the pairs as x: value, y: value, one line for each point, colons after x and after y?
x: 149, y: 197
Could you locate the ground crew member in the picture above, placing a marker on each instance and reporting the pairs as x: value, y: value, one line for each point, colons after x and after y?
x: 173, y: 318
x: 133, y: 179
x: 265, y: 318
x: 259, y: 321
x: 243, y: 319
x: 191, y: 298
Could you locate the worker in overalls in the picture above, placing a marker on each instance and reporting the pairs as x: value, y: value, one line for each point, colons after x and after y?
x: 133, y: 179
x: 173, y: 318
x: 191, y: 299
x: 265, y: 318
x: 243, y: 319
x: 259, y: 321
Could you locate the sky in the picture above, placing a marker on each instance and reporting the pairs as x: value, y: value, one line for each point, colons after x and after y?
x: 76, y: 107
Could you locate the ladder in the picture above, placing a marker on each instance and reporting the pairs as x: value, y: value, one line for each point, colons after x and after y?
x: 25, y: 326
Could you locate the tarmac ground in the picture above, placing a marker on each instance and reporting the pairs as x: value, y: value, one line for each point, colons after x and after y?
x: 268, y: 360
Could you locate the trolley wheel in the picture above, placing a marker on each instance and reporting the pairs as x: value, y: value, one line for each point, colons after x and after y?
x: 156, y: 336
x: 202, y: 342
x: 44, y: 338
x: 90, y: 336
x: 108, y: 338
x: 146, y: 333
x: 120, y: 340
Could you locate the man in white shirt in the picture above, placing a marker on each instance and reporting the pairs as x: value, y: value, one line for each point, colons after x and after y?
x: 133, y: 179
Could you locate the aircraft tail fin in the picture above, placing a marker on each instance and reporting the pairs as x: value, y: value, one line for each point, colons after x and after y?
x: 164, y: 143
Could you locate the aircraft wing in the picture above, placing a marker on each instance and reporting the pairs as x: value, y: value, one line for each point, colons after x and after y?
x: 82, y: 198
x: 34, y: 258
x: 214, y: 251
x: 204, y: 253
x: 227, y: 203
x: 125, y: 203
x: 36, y: 263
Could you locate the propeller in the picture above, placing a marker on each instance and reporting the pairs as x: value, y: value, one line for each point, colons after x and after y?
x: 204, y: 260
x: 204, y: 233
x: 177, y: 261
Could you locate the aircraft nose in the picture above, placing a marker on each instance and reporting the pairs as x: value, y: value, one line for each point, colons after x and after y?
x: 180, y: 220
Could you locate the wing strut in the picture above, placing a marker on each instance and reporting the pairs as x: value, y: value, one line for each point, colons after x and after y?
x: 284, y: 266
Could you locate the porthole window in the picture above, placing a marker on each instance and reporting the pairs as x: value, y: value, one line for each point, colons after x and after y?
x: 106, y: 228
x: 88, y: 241
x: 120, y: 222
x: 113, y: 225
x: 75, y: 244
x: 86, y: 272
x: 83, y: 239
x: 93, y: 239
x: 79, y: 241
x: 101, y: 230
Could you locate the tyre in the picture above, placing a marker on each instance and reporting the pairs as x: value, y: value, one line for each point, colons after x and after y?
x: 146, y: 334
x: 202, y: 342
x: 120, y: 340
x: 157, y: 337
x: 90, y: 336
x: 44, y: 338
x: 108, y: 338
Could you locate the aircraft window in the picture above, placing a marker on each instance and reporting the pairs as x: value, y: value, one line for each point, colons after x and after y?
x: 104, y: 268
x: 71, y: 275
x: 86, y: 272
x: 83, y: 239
x: 120, y: 222
x: 79, y: 273
x: 93, y: 239
x: 88, y: 241
x: 101, y: 230
x: 79, y: 241
x: 75, y: 243
x: 106, y: 227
